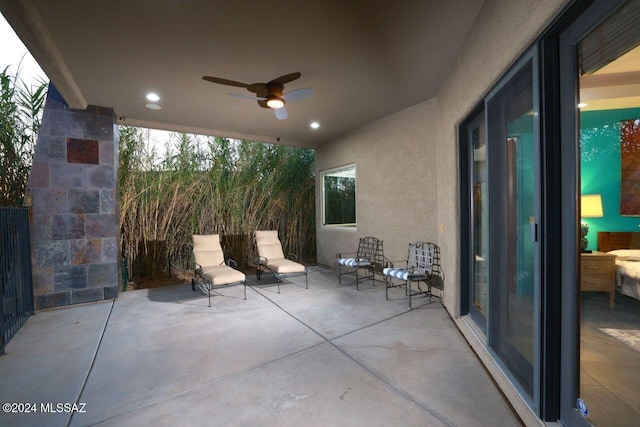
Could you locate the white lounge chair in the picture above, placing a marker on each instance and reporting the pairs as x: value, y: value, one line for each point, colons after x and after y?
x: 210, y: 267
x: 271, y: 258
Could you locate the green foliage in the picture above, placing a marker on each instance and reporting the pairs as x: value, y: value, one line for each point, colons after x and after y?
x: 21, y: 109
x: 212, y: 185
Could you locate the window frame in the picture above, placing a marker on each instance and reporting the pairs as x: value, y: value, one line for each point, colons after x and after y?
x: 340, y: 226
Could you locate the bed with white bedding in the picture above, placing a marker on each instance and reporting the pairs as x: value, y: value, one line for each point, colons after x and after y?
x: 626, y: 247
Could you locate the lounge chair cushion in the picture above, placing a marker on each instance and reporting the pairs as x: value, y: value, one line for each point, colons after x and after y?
x: 209, y: 256
x: 271, y: 255
x: 284, y: 266
x: 207, y: 250
x: 222, y: 275
x: 269, y: 245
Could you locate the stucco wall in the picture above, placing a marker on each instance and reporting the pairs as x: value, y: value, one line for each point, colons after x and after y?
x: 396, y: 183
x: 407, y: 163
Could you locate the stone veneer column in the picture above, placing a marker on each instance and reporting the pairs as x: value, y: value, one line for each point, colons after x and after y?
x: 74, y: 214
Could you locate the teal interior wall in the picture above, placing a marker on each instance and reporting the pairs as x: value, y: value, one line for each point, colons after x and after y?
x: 600, y: 169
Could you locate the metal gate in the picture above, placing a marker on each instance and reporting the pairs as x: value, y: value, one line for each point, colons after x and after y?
x: 16, y: 288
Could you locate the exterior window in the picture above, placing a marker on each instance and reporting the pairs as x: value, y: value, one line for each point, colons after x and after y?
x: 339, y: 197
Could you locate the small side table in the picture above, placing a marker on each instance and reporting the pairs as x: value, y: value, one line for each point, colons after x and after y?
x: 598, y: 274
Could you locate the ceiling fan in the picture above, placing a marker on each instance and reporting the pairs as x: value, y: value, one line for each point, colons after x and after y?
x: 268, y: 95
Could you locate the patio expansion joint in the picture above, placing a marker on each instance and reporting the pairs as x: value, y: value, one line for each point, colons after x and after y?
x: 375, y: 374
x: 201, y: 385
x: 93, y: 359
x: 206, y: 384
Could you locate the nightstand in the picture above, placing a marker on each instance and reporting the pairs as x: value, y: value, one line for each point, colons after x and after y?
x: 598, y: 274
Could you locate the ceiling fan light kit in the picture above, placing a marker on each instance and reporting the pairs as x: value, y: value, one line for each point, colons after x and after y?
x: 275, y: 102
x: 268, y: 95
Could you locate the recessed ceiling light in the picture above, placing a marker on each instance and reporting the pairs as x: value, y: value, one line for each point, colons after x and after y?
x: 153, y: 97
x: 153, y: 106
x: 314, y: 125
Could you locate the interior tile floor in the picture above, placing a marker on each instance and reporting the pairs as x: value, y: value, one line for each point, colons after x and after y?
x: 609, y: 368
x: 324, y: 356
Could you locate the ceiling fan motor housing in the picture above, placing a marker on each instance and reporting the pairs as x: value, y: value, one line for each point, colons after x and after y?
x: 274, y: 97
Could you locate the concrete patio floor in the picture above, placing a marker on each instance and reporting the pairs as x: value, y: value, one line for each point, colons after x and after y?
x: 323, y: 356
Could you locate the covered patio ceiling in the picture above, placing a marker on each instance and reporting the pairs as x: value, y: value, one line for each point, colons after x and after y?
x: 364, y: 59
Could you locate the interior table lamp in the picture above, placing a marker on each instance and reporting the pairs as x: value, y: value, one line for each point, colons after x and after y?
x: 591, y: 207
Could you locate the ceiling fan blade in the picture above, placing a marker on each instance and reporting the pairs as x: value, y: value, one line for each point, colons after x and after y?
x: 286, y: 78
x: 281, y: 113
x: 224, y: 81
x: 253, y: 97
x: 298, y: 94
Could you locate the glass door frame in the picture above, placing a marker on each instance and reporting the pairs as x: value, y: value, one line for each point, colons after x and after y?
x: 570, y: 190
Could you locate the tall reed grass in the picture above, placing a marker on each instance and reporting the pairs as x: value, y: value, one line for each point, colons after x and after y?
x: 21, y: 109
x: 205, y: 185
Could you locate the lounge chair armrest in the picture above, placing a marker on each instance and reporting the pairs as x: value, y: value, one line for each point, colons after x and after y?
x: 198, y: 269
x: 263, y: 260
x: 232, y: 263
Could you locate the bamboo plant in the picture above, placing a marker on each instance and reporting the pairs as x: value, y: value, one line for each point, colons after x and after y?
x: 204, y: 185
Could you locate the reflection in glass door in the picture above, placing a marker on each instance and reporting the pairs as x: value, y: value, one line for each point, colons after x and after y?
x: 513, y: 257
x: 480, y: 224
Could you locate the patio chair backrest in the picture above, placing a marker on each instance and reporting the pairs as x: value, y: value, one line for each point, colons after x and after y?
x: 207, y: 250
x: 269, y: 245
x: 370, y: 248
x: 424, y: 257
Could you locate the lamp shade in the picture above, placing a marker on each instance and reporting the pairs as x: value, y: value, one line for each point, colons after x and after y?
x: 591, y: 206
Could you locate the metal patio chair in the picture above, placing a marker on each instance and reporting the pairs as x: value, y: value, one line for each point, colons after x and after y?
x: 271, y: 258
x: 422, y: 265
x: 369, y: 257
x: 211, y: 271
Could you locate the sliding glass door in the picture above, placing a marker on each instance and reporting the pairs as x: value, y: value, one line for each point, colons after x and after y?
x: 513, y: 151
x: 600, y: 94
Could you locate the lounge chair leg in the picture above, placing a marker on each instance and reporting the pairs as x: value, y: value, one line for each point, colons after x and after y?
x: 306, y: 279
x: 193, y: 285
x: 245, y: 289
x: 258, y: 273
x: 209, y: 288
